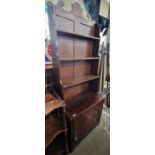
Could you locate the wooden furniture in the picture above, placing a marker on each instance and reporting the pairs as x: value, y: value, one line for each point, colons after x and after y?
x: 55, y: 122
x: 77, y: 47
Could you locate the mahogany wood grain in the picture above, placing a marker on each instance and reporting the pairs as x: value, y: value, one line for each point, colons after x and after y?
x: 65, y: 47
x: 52, y: 129
x: 82, y: 103
x: 52, y: 105
x: 67, y: 71
x: 73, y: 91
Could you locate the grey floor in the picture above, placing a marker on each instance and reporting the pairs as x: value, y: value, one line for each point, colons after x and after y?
x: 98, y: 141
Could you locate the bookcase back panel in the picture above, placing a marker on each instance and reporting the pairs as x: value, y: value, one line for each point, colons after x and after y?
x: 71, y: 92
x: 83, y: 48
x: 82, y: 68
x: 65, y: 24
x: 86, y: 29
x: 94, y: 67
x: 65, y: 47
x: 96, y: 48
x: 94, y: 85
x: 66, y: 71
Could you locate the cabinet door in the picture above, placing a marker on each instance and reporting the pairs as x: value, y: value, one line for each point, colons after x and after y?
x: 85, y: 122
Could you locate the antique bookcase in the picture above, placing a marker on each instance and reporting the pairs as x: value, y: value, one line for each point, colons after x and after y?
x: 77, y: 49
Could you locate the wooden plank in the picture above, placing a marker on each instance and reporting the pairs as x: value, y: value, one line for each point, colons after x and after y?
x: 60, y: 32
x: 79, y: 80
x: 76, y: 59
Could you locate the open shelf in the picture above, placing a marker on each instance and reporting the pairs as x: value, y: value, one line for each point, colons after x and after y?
x: 52, y: 105
x: 57, y: 147
x: 61, y: 32
x: 83, y: 102
x: 77, y: 59
x: 52, y: 129
x: 79, y: 80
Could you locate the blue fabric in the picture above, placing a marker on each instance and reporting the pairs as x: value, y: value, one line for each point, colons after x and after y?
x: 93, y: 7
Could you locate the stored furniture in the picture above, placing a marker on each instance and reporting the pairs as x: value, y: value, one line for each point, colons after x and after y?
x: 55, y: 122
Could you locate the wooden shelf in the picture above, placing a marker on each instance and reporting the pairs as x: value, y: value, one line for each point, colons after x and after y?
x: 79, y: 80
x: 77, y: 59
x: 52, y: 129
x: 52, y: 105
x: 50, y: 65
x: 83, y: 102
x: 61, y: 32
x: 57, y: 147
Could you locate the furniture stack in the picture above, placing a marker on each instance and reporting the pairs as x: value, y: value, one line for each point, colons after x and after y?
x: 78, y: 71
x: 55, y: 122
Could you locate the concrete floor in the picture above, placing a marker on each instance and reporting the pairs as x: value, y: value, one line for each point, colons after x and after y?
x: 98, y: 141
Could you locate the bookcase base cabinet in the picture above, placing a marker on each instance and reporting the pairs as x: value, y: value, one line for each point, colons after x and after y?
x: 80, y: 126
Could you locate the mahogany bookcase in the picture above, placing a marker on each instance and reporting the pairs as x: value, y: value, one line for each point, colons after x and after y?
x: 77, y: 50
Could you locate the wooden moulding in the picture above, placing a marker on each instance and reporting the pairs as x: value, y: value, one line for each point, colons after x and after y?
x: 79, y: 80
x: 52, y: 129
x: 71, y: 34
x: 79, y: 59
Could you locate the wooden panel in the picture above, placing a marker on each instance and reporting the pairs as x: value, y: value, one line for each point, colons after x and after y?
x: 86, y: 30
x: 83, y: 48
x: 65, y: 47
x: 88, y: 119
x: 82, y: 68
x: 65, y: 24
x: 96, y: 48
x: 66, y: 71
x: 94, y: 68
x: 71, y: 92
